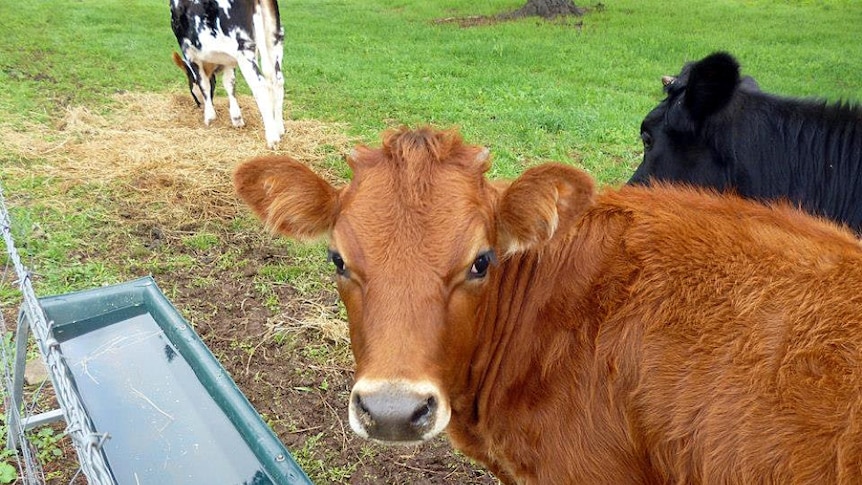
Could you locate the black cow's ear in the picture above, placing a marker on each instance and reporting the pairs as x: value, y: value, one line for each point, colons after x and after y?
x: 711, y: 84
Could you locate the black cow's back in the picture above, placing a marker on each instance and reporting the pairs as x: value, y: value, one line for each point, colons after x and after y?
x: 716, y: 129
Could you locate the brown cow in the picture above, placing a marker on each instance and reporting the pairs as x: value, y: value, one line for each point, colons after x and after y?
x: 640, y: 335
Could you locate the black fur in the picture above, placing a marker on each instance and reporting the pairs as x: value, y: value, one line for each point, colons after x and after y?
x: 718, y: 130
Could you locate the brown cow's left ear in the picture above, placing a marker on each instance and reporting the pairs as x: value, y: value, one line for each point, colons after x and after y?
x: 288, y: 196
x: 544, y: 201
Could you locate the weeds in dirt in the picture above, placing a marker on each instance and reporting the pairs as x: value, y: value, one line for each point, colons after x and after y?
x: 47, y: 441
x: 201, y: 241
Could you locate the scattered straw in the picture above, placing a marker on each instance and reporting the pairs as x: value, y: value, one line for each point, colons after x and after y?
x: 158, y: 153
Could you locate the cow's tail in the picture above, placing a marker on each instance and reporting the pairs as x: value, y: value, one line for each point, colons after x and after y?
x: 269, y: 37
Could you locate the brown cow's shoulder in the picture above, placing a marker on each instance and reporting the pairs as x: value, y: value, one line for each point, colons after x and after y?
x: 683, y: 334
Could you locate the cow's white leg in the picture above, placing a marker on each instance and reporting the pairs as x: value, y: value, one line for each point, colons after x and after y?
x: 206, y: 88
x: 262, y: 94
x: 278, y: 86
x: 229, y: 79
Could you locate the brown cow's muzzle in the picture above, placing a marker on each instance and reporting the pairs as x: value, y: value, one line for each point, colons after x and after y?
x: 397, y: 411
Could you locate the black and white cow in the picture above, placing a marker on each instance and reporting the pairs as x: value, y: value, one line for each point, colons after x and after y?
x: 718, y: 130
x: 217, y: 36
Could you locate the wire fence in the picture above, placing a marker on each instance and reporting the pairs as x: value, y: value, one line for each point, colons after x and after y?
x: 86, y: 441
x: 30, y: 470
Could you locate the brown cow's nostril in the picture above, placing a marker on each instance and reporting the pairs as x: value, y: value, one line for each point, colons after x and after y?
x: 357, y: 401
x: 422, y: 416
x: 362, y: 412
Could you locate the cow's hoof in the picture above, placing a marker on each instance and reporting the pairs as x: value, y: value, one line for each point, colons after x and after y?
x: 272, y: 139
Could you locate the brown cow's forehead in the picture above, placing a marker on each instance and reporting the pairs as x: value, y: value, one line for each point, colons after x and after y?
x: 382, y: 221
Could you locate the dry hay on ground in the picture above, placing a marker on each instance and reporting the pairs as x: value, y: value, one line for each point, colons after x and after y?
x: 157, y: 151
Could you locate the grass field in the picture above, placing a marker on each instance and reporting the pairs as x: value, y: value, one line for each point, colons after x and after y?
x: 94, y: 112
x: 530, y: 90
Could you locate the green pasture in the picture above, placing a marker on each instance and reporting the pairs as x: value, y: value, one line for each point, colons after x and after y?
x: 530, y: 90
x: 573, y: 90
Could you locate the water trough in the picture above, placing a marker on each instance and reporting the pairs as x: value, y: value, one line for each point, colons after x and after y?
x: 163, y: 407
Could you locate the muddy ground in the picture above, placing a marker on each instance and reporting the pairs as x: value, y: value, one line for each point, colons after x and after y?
x: 159, y: 179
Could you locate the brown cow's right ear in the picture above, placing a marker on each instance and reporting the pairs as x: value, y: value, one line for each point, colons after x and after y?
x: 544, y: 201
x: 288, y: 196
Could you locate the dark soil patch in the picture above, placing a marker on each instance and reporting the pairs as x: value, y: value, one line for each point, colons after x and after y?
x: 295, y: 377
x: 556, y: 10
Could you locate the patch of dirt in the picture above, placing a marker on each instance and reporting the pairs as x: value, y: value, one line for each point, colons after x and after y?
x: 169, y: 179
x: 560, y: 11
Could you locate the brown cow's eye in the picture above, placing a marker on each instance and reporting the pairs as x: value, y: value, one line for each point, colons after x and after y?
x: 338, y: 261
x: 480, y: 266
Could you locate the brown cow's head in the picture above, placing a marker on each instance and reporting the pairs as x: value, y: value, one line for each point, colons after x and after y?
x: 415, y: 239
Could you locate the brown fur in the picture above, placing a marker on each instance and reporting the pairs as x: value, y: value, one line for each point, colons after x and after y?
x: 178, y: 61
x: 208, y: 68
x: 659, y: 335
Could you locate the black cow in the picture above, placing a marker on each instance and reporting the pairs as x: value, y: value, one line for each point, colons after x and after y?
x: 218, y: 35
x: 718, y: 130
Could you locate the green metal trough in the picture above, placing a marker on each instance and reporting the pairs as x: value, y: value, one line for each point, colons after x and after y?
x: 170, y: 412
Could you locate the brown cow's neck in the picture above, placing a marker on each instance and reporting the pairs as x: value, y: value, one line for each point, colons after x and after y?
x: 536, y: 327
x: 496, y: 331
x: 507, y: 348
